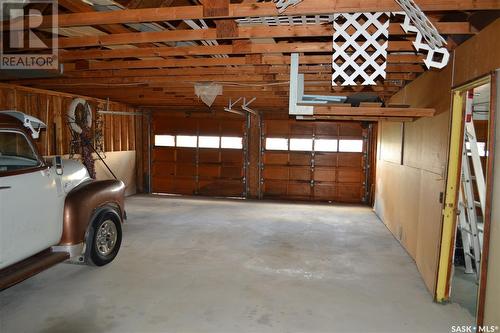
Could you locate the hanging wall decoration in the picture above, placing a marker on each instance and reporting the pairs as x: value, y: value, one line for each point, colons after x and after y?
x: 80, y: 121
x: 360, y: 48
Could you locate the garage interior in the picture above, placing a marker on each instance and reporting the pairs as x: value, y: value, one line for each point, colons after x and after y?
x: 289, y: 167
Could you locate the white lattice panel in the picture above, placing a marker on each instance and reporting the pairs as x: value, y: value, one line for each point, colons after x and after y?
x: 420, y: 21
x: 437, y: 57
x: 282, y: 5
x: 285, y: 20
x: 360, y: 45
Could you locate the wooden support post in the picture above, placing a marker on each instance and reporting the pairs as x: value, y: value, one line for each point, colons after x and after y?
x: 226, y: 29
x: 215, y: 8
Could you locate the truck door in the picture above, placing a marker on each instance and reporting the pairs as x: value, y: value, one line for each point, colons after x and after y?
x: 30, y: 207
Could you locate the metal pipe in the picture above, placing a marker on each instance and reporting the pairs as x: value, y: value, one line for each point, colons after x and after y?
x: 149, y: 152
x: 120, y: 113
x: 367, y: 163
x: 259, y: 119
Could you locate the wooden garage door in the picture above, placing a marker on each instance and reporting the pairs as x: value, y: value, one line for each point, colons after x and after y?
x: 195, y: 156
x: 318, y: 161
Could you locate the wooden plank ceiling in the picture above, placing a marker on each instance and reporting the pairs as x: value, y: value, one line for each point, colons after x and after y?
x: 150, y: 53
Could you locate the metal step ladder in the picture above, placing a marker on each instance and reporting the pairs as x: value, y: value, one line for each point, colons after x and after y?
x: 470, y: 224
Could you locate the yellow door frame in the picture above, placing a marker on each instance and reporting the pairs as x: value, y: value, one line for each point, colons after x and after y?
x: 452, y: 186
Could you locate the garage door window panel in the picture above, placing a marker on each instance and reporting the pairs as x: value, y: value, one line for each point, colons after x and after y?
x: 279, y: 144
x: 326, y: 145
x: 164, y: 140
x: 209, y: 142
x: 301, y: 144
x: 351, y: 146
x: 187, y: 141
x: 231, y: 142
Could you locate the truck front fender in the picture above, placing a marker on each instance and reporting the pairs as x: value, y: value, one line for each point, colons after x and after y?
x: 83, y: 201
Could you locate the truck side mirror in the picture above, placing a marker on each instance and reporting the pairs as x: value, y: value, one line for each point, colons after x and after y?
x: 58, y: 165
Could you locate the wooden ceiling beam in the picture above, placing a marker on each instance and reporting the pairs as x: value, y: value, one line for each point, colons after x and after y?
x: 118, y: 94
x: 275, y: 69
x: 312, y: 87
x: 81, y: 7
x: 357, y: 118
x: 194, y: 35
x: 372, y: 111
x: 393, y: 66
x: 239, y: 33
x: 145, y: 81
x: 259, y: 9
x: 235, y: 49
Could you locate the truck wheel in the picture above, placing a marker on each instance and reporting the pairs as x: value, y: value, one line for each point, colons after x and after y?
x: 104, y: 238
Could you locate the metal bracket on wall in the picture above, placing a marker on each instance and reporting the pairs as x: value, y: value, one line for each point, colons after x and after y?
x: 297, y: 96
x: 244, y: 106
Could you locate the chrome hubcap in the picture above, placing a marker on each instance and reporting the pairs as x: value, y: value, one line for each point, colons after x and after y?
x: 106, y: 238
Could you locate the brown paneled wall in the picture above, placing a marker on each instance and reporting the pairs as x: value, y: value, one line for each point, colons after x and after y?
x: 51, y: 107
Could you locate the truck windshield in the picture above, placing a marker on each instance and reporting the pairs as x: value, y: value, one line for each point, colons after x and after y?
x: 16, y: 152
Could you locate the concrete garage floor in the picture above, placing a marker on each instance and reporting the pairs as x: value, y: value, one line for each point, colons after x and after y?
x: 202, y: 265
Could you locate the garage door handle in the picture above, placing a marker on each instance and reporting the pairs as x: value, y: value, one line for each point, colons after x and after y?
x: 4, y: 187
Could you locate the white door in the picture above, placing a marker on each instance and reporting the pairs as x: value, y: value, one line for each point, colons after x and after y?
x: 31, y: 210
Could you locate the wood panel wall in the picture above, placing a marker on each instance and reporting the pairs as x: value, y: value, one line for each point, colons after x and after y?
x: 475, y: 58
x: 408, y: 192
x: 51, y: 107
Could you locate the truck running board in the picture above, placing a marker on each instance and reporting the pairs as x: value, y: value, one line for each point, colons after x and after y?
x: 20, y: 271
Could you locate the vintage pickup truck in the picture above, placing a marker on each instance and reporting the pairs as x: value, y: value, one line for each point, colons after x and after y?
x: 51, y: 210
